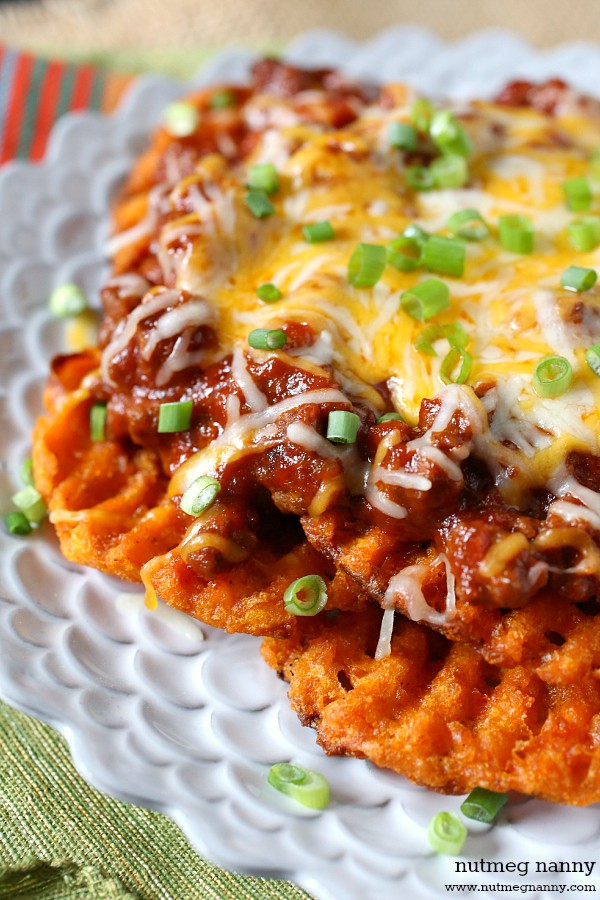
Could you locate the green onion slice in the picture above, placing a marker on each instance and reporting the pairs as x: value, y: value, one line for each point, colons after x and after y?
x: 181, y: 119
x: 450, y: 171
x: 263, y: 177
x: 30, y: 502
x: 447, y: 834
x: 390, y: 417
x: 268, y: 293
x: 449, y: 135
x: 420, y: 114
x: 26, y: 471
x: 592, y: 358
x: 595, y: 162
x: 425, y: 299
x: 342, y: 426
x: 97, y: 421
x: 420, y: 178
x: 309, y: 788
x: 405, y: 253
x: 366, y: 265
x: 267, y: 339
x: 456, y: 366
x: 516, y: 233
x: 445, y: 256
x: 577, y: 278
x: 454, y: 333
x: 578, y: 194
x: 259, y: 204
x: 173, y: 417
x: 306, y: 596
x: 222, y: 99
x: 17, y: 523
x: 552, y: 376
x: 468, y: 224
x: 417, y: 233
x: 483, y: 805
x: 584, y: 234
x: 67, y: 301
x: 402, y: 135
x: 201, y: 494
x: 318, y: 232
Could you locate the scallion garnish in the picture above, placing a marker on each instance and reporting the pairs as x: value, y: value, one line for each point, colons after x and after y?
x: 267, y: 339
x: 445, y: 256
x: 201, y: 494
x: 454, y: 333
x: 97, y: 421
x: 259, y: 204
x: 67, y: 301
x: 30, y: 502
x: 592, y: 358
x: 263, y: 177
x: 416, y: 232
x: 174, y: 417
x: 268, y: 293
x: 420, y: 114
x: 425, y: 299
x: 17, y: 523
x: 577, y: 278
x: 449, y: 135
x: 306, y: 596
x: 366, y: 265
x: 578, y: 194
x: 318, y: 232
x: 342, y: 426
x: 584, y: 234
x: 309, y: 788
x: 516, y: 233
x: 402, y: 135
x: 483, y: 805
x: 447, y: 834
x: 468, y: 224
x: 449, y: 171
x: 26, y: 471
x: 390, y: 417
x: 456, y: 366
x: 552, y: 376
x: 181, y: 119
x: 405, y: 253
x: 222, y: 99
x: 595, y: 162
x: 420, y: 178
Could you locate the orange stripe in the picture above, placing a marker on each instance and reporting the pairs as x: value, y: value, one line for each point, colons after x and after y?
x: 82, y: 89
x: 47, y: 108
x: 16, y: 106
x: 113, y: 90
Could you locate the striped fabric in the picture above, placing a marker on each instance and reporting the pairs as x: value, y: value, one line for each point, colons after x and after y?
x: 34, y: 92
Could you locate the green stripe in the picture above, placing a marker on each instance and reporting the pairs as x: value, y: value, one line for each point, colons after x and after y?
x: 97, y: 91
x: 31, y: 109
x: 66, y: 91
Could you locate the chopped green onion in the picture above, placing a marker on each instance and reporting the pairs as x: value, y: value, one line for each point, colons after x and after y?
x: 306, y: 596
x: 445, y: 256
x: 421, y: 113
x: 468, y: 224
x: 417, y: 233
x: 97, y: 421
x: 267, y: 339
x: 578, y: 194
x: 454, y: 333
x: 592, y: 358
x: 366, y: 265
x: 17, y: 523
x: 577, y: 278
x: 450, y: 171
x: 268, y: 293
x: 447, y: 834
x: 483, y: 805
x: 173, y: 417
x: 402, y: 135
x: 199, y: 495
x: 30, y: 502
x: 516, y: 233
x: 450, y: 363
x: 259, y: 204
x: 309, y: 788
x: 426, y: 299
x: 390, y: 417
x: 420, y: 178
x: 584, y: 234
x: 181, y: 119
x: 222, y: 99
x: 342, y: 426
x: 552, y: 376
x: 318, y: 232
x: 449, y: 135
x: 67, y: 301
x: 595, y: 162
x: 405, y: 253
x: 263, y: 177
x: 26, y: 471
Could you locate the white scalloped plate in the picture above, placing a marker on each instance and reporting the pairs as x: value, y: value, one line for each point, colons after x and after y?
x: 152, y: 713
